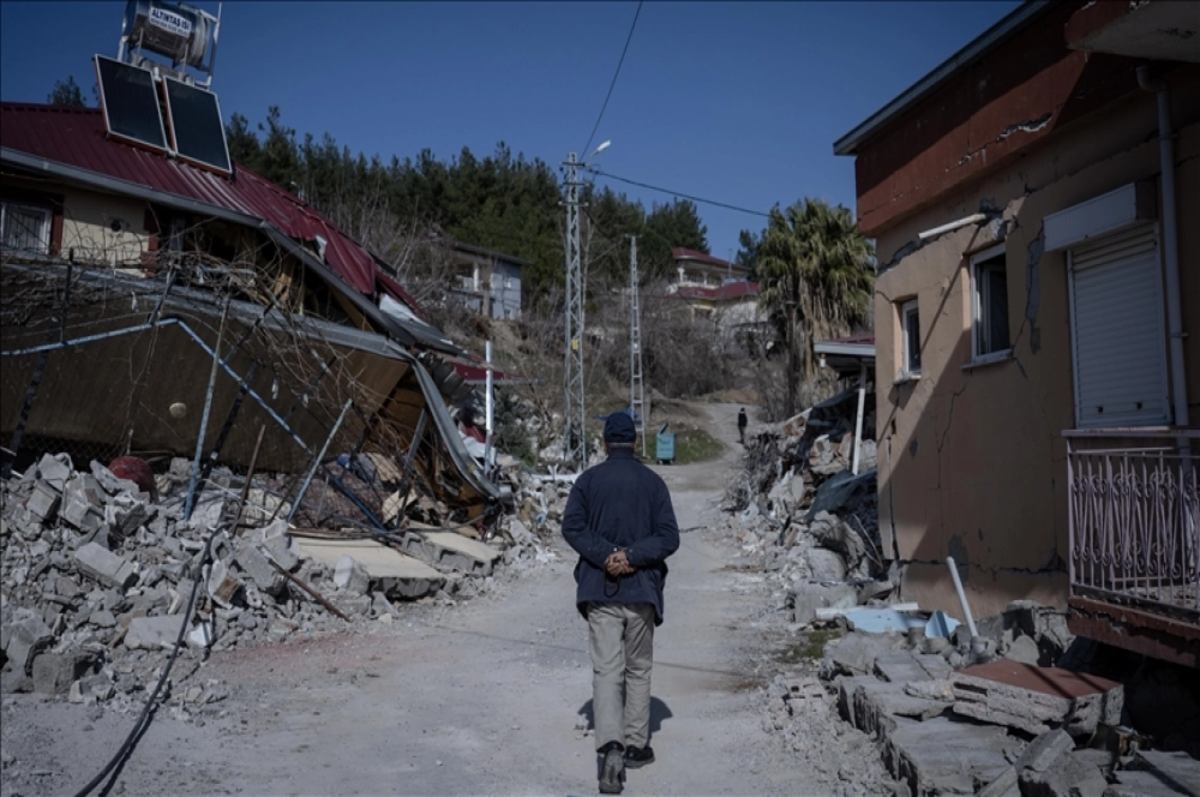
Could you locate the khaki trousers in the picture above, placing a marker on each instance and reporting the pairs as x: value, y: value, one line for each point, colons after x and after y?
x: 622, y: 641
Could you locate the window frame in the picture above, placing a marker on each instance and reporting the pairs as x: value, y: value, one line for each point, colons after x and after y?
x: 909, y: 308
x: 45, y: 232
x: 979, y: 333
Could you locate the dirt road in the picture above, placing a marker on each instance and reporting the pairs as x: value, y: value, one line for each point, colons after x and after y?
x: 481, y: 697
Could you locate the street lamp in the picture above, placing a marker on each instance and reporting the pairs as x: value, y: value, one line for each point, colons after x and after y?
x: 574, y: 416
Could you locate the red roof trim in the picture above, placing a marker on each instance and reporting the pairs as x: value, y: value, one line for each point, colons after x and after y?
x: 730, y: 290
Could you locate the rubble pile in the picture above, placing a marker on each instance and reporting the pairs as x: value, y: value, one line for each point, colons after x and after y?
x: 798, y: 508
x: 96, y: 577
x: 991, y: 716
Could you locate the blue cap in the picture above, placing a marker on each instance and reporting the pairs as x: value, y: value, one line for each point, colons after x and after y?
x: 619, y: 428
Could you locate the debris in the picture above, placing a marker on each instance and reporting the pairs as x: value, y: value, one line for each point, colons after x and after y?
x: 1036, y: 699
x: 97, y: 562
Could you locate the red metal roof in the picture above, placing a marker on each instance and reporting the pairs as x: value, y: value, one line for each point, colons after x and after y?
x: 679, y: 253
x: 730, y: 290
x: 76, y: 137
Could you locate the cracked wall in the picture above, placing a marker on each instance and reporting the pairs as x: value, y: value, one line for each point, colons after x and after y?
x: 977, y: 463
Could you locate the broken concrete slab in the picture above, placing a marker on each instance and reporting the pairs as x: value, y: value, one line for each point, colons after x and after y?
x: 104, y: 566
x: 825, y: 565
x: 81, y: 503
x: 855, y: 653
x: 1177, y: 771
x: 397, y: 574
x: 53, y: 673
x: 944, y: 755
x: 153, y: 633
x: 904, y: 666
x: 445, y: 549
x: 1036, y: 699
x: 878, y: 704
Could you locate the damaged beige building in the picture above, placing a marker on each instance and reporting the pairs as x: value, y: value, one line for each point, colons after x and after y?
x: 1034, y: 201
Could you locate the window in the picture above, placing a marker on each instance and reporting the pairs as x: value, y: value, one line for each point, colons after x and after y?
x: 24, y: 228
x: 1118, y: 336
x: 989, y: 305
x: 910, y: 323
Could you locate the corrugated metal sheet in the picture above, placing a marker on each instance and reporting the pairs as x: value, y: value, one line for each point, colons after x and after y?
x: 76, y: 137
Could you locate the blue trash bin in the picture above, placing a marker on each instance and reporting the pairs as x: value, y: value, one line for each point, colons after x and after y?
x: 664, y: 449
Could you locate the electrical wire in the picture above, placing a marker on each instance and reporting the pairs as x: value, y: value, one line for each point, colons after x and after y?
x: 143, y: 721
x: 612, y: 85
x: 680, y: 194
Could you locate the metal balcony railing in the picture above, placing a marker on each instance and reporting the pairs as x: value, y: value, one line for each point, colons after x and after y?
x: 1133, y: 515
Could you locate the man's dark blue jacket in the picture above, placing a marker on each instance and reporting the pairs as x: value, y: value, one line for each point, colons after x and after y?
x: 621, y: 503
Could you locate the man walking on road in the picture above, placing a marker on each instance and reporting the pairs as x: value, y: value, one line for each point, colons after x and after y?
x: 742, y: 425
x: 620, y: 520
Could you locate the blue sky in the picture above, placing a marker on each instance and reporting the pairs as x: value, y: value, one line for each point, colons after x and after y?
x: 734, y: 102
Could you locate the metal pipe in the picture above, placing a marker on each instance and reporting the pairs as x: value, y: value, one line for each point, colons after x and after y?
x: 317, y: 461
x: 974, y: 218
x: 490, y: 413
x: 858, y: 420
x: 1166, y: 155
x: 190, y: 504
x: 962, y: 598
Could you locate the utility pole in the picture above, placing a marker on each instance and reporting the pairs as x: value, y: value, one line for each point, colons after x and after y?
x: 637, y: 388
x: 574, y: 440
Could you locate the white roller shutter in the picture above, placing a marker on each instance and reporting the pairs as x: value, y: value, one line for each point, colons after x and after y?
x: 1118, y: 332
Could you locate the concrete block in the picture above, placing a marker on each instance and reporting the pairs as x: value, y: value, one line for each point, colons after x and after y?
x: 278, y: 544
x: 81, y: 502
x: 25, y: 637
x: 259, y: 569
x: 807, y: 598
x: 351, y: 576
x: 124, y: 516
x: 97, y: 562
x: 1046, y: 751
x: 53, y: 673
x: 1068, y: 777
x: 43, y: 502
x: 1024, y: 650
x: 1037, y: 699
x: 153, y: 633
x: 55, y: 469
x: 382, y: 606
x: 222, y: 584
x: 111, y: 483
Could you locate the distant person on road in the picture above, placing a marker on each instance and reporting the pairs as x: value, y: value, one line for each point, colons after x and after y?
x: 742, y: 425
x: 620, y: 520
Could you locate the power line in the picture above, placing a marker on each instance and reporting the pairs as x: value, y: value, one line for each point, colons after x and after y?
x: 725, y: 205
x: 612, y: 85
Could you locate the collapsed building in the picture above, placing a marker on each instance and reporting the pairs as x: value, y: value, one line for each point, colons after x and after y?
x: 149, y: 301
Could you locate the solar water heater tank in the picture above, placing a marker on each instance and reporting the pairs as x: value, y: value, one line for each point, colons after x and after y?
x: 180, y: 32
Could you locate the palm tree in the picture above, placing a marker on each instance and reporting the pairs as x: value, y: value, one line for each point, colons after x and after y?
x: 817, y: 275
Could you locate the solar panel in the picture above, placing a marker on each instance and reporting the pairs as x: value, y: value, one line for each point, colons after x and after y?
x: 130, y: 102
x: 196, y: 127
